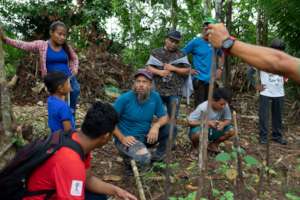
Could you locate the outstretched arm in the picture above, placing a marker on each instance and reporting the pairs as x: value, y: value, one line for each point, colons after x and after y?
x: 95, y: 185
x: 27, y: 46
x: 262, y: 58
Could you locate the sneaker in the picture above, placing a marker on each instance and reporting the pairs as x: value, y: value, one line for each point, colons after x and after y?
x: 280, y: 141
x: 157, y: 158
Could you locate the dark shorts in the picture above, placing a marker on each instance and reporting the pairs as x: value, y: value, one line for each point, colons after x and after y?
x: 213, y: 134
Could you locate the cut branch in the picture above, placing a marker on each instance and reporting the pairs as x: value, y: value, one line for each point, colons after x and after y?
x: 138, y: 180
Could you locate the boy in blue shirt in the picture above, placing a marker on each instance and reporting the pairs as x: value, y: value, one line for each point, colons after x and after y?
x: 59, y: 113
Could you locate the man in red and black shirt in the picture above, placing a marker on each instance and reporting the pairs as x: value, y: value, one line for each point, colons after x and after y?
x: 67, y: 174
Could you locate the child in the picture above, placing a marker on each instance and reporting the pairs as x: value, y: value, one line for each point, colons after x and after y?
x: 271, y: 95
x: 59, y: 113
x: 219, y: 120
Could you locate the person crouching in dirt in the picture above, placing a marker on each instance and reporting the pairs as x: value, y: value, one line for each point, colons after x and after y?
x: 70, y: 177
x: 219, y: 120
x: 135, y: 131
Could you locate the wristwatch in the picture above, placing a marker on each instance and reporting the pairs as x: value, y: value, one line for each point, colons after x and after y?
x: 228, y: 43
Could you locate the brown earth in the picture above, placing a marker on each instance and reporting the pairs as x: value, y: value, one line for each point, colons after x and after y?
x: 285, y: 160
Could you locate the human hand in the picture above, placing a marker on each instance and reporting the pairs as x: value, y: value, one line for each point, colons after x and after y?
x: 128, y: 141
x: 164, y: 73
x: 217, y: 33
x: 153, y: 134
x: 194, y: 72
x: 260, y: 87
x: 74, y: 71
x: 212, y: 123
x: 123, y: 194
x: 2, y: 35
x: 169, y: 67
x: 219, y: 74
x: 220, y: 125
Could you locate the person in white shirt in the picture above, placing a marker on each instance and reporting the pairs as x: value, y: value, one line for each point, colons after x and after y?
x: 271, y: 93
x: 219, y: 120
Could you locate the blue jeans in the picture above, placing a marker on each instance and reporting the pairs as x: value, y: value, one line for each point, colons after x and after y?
x: 168, y: 100
x: 145, y: 158
x: 74, y: 93
x: 93, y: 196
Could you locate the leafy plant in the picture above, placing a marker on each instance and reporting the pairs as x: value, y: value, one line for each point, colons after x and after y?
x: 250, y: 161
x: 292, y: 196
x: 191, y: 196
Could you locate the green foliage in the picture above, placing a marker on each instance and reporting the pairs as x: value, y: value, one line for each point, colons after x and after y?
x: 243, y: 23
x: 292, y: 196
x: 283, y: 15
x: 162, y: 165
x: 18, y: 141
x: 191, y: 196
x: 228, y: 195
x: 223, y: 157
x: 250, y: 161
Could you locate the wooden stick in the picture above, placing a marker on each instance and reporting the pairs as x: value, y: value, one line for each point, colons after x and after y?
x: 138, y: 180
x: 202, y: 163
x: 5, y: 97
x: 169, y: 148
x: 240, y: 182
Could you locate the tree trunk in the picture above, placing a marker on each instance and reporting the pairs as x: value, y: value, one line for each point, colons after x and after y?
x: 6, y: 152
x: 174, y: 19
x: 261, y: 27
x: 207, y: 8
x: 227, y: 63
x: 5, y: 107
x: 218, y: 8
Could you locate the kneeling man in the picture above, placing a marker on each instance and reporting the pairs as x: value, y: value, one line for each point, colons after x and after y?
x: 136, y: 130
x: 219, y: 120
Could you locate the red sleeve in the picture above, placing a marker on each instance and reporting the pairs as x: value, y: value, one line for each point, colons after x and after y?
x: 70, y: 180
x: 87, y: 161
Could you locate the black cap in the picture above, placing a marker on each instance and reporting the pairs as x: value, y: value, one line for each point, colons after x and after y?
x: 174, y: 35
x: 278, y: 44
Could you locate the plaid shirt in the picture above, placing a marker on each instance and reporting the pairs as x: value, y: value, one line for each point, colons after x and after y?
x: 41, y: 47
x: 171, y: 85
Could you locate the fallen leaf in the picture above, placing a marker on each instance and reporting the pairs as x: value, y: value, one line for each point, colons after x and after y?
x: 191, y: 187
x: 231, y: 174
x: 112, y: 178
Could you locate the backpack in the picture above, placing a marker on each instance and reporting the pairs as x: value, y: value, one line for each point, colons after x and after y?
x: 14, y: 177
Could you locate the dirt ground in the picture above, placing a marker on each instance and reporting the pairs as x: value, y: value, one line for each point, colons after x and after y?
x: 284, y: 169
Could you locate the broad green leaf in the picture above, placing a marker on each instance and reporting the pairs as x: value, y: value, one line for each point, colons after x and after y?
x: 250, y: 160
x: 215, y: 192
x: 223, y: 157
x: 291, y: 196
